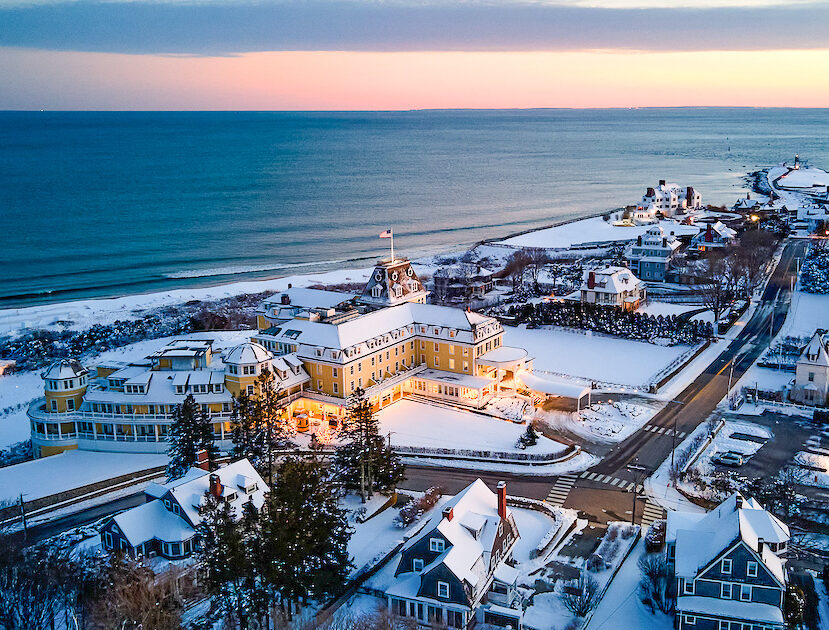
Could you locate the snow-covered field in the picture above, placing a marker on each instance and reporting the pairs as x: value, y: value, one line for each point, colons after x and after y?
x: 72, y: 469
x: 666, y: 309
x: 805, y: 177
x: 808, y: 312
x: 593, y: 357
x: 602, y: 422
x: 18, y: 390
x: 591, y: 230
x: 421, y: 424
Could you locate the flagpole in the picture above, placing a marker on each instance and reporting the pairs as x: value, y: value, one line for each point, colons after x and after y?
x: 392, y: 244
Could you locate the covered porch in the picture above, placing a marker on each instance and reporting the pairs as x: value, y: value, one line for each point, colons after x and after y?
x: 569, y: 396
x: 460, y: 389
x: 502, y: 364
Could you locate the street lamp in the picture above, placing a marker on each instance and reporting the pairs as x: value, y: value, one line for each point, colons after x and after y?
x: 636, y: 470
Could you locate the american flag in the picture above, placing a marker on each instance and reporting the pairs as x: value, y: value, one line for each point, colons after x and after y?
x: 386, y: 234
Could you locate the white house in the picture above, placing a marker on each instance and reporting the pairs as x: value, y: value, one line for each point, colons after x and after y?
x: 670, y: 199
x: 715, y: 236
x: 166, y: 524
x: 612, y: 286
x: 650, y: 257
x: 811, y: 382
x: 728, y: 566
x: 455, y: 571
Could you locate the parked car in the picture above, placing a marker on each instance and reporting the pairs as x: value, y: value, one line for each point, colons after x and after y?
x: 729, y: 458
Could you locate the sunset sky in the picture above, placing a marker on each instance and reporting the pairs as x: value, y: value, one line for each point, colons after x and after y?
x: 406, y: 54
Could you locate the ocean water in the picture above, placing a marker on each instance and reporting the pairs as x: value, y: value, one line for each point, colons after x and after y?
x: 104, y: 204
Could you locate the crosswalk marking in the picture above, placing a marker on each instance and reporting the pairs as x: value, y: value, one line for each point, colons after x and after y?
x: 650, y: 513
x: 558, y: 493
x: 667, y: 431
x: 616, y: 482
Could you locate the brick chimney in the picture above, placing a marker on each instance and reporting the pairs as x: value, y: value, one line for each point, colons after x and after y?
x: 202, y: 460
x: 215, y: 486
x: 502, y: 499
x: 448, y: 513
x: 661, y: 182
x: 285, y: 298
x: 591, y: 279
x: 760, y: 544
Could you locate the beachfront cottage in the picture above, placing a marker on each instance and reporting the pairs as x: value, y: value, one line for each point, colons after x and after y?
x: 166, y: 524
x: 650, y: 257
x: 715, y: 236
x: 670, y: 199
x: 457, y: 571
x: 811, y: 382
x: 612, y: 286
x: 728, y: 566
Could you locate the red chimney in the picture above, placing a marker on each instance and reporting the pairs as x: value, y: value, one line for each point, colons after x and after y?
x: 202, y: 460
x: 591, y: 280
x: 216, y: 486
x: 448, y: 513
x: 502, y: 499
x: 709, y: 234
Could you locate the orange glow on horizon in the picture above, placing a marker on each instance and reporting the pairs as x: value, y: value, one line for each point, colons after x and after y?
x: 35, y: 79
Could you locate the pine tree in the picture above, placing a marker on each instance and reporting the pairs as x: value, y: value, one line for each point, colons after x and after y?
x: 364, y: 461
x: 269, y: 417
x: 190, y: 432
x: 225, y: 566
x: 249, y: 439
x: 305, y: 534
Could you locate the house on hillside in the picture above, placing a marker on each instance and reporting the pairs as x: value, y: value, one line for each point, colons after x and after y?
x: 460, y: 283
x: 612, y: 286
x: 728, y: 566
x: 165, y: 525
x: 650, y: 257
x: 714, y: 236
x: 456, y: 572
x: 811, y: 381
x: 746, y: 204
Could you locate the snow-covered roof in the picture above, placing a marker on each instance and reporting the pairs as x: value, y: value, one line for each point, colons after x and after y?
x: 612, y: 280
x: 301, y: 297
x: 699, y: 543
x: 381, y: 328
x: 247, y: 353
x: 474, y: 509
x: 455, y: 378
x: 462, y: 270
x: 504, y: 354
x: 554, y: 386
x: 746, y: 204
x: 815, y: 352
x: 752, y: 612
x: 152, y: 520
x: 161, y: 388
x: 65, y: 368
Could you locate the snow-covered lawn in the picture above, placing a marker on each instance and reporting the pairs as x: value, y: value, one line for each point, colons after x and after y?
x: 421, y: 424
x: 621, y: 606
x: 591, y: 230
x: 666, y: 309
x: 806, y: 177
x: 603, y: 422
x: 808, y: 311
x: 509, y: 408
x: 71, y: 469
x: 593, y: 356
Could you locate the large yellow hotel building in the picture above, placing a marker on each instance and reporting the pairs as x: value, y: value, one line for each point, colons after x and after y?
x: 320, y: 347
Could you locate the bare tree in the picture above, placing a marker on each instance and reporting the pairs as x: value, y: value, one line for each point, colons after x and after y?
x: 716, y: 287
x: 653, y: 586
x: 750, y: 257
x: 516, y: 268
x: 537, y: 258
x: 583, y: 597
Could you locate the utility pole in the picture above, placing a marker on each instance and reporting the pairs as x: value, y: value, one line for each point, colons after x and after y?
x: 673, y: 437
x: 633, y: 469
x: 23, y: 518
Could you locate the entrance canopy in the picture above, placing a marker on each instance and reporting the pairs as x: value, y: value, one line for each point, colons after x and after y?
x: 553, y: 386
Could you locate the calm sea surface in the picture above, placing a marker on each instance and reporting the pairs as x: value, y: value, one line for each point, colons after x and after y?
x: 102, y: 204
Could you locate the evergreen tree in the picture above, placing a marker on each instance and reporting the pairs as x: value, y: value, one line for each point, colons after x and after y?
x: 190, y: 432
x: 269, y: 418
x: 364, y: 461
x: 225, y: 564
x: 249, y: 439
x: 305, y: 534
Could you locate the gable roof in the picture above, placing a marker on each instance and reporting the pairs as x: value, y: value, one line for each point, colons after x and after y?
x: 815, y: 352
x: 701, y: 542
x: 612, y: 280
x: 474, y: 509
x: 152, y: 520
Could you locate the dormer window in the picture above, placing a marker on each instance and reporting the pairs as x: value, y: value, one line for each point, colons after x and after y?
x: 436, y: 545
x: 417, y: 565
x: 376, y: 291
